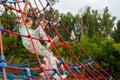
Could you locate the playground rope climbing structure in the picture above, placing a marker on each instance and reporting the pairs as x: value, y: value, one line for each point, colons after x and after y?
x: 87, y: 69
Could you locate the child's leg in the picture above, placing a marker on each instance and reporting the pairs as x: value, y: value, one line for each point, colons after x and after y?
x: 39, y: 33
x: 54, y: 40
x: 42, y: 51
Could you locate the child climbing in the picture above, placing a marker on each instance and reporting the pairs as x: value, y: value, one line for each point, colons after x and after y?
x: 25, y: 29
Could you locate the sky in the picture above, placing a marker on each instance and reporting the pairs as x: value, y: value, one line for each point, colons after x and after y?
x: 75, y: 6
x: 78, y: 6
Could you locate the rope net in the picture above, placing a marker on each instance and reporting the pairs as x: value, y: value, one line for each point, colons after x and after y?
x: 85, y: 68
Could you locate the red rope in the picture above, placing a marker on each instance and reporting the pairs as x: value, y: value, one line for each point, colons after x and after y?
x: 54, y: 28
x: 93, y: 73
x: 61, y: 37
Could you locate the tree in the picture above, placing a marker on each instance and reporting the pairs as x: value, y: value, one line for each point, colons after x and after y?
x: 90, y: 22
x: 9, y: 19
x: 68, y: 21
x: 107, y: 23
x: 116, y: 33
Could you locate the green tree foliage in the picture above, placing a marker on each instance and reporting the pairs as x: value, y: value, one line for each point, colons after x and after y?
x: 9, y: 19
x: 90, y: 18
x: 105, y: 52
x: 107, y: 22
x: 116, y: 33
x: 68, y: 21
x: 97, y: 24
x: 110, y: 62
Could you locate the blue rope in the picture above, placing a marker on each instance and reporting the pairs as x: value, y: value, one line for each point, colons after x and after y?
x: 48, y: 3
x: 23, y: 65
x: 3, y: 63
x: 1, y: 28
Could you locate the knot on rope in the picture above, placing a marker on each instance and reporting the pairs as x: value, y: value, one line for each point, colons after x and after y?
x: 76, y: 41
x: 66, y: 66
x: 8, y: 17
x: 91, y: 59
x: 41, y: 67
x: 76, y: 69
x: 36, y: 16
x: 29, y: 36
x: 56, y: 71
x: 27, y: 72
x: 61, y: 62
x: 90, y: 66
x: 49, y: 24
x: 88, y: 62
x: 110, y: 77
x: 60, y: 21
x: 20, y: 11
x: 48, y: 3
x: 1, y: 28
x: 3, y: 63
x: 49, y: 40
x: 64, y: 43
x: 14, y: 4
x: 24, y: 0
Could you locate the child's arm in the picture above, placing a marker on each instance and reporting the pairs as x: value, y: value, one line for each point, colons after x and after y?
x: 24, y: 14
x: 44, y: 23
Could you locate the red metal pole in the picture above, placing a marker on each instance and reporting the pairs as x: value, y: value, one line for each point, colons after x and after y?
x: 1, y: 53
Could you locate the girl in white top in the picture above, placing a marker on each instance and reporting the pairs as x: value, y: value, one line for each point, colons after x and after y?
x: 25, y: 29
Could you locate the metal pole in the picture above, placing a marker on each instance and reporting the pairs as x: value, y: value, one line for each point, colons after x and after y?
x: 1, y: 53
